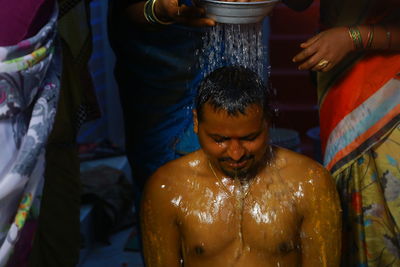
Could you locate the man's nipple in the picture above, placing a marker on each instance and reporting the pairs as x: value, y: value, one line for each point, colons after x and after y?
x: 199, y: 250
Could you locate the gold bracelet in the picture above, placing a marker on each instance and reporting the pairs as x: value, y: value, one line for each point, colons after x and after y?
x: 370, y: 37
x: 155, y: 17
x: 147, y: 12
x: 355, y: 35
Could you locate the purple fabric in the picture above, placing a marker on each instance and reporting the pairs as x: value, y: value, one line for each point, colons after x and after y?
x: 23, y: 247
x: 21, y: 19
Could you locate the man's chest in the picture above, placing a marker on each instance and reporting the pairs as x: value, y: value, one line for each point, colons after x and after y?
x: 262, y: 222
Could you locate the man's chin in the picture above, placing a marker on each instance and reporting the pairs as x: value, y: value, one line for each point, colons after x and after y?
x: 240, y: 173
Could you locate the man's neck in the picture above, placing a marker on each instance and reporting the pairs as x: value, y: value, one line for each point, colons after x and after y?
x: 265, y: 161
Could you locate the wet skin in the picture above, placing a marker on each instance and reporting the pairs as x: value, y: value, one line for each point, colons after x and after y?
x: 285, y: 215
x: 235, y: 145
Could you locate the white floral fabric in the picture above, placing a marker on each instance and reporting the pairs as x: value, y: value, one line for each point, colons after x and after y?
x: 29, y: 90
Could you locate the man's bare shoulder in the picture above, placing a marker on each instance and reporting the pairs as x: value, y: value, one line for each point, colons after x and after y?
x: 176, y: 173
x: 309, y: 181
x: 299, y: 167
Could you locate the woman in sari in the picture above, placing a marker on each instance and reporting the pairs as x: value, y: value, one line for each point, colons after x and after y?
x: 357, y: 58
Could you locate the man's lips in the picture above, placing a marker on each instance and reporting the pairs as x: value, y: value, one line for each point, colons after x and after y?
x: 236, y: 165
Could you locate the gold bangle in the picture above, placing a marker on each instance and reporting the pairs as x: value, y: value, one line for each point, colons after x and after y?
x: 155, y: 17
x: 370, y: 37
x: 355, y: 35
x: 147, y: 12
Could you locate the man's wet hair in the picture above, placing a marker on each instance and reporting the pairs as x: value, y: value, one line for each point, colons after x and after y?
x: 233, y: 89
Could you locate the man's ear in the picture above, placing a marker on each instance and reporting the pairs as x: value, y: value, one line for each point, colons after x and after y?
x: 195, y: 122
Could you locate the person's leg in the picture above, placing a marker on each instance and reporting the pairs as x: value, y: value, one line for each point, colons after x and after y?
x: 57, y: 240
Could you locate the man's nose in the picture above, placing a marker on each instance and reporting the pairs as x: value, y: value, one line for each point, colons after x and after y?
x: 235, y: 150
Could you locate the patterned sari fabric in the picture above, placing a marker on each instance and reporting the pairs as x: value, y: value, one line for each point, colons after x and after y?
x: 359, y: 120
x: 29, y: 89
x: 370, y: 191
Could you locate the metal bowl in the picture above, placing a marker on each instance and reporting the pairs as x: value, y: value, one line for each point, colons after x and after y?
x: 237, y: 12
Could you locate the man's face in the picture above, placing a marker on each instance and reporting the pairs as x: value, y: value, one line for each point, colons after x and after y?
x: 237, y: 145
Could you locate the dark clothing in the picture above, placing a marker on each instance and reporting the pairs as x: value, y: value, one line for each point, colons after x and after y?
x: 156, y: 72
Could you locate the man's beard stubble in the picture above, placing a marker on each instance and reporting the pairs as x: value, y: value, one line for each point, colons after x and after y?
x: 247, y: 174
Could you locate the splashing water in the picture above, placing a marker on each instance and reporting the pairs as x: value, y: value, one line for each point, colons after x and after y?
x: 234, y: 44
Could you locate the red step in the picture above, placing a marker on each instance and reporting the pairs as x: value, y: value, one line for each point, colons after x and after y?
x: 287, y: 21
x: 296, y: 97
x: 283, y: 48
x: 293, y: 87
x: 297, y: 117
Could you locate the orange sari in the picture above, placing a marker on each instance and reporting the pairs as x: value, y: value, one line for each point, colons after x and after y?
x: 360, y: 134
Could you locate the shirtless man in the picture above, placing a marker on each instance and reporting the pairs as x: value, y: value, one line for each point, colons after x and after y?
x: 239, y: 201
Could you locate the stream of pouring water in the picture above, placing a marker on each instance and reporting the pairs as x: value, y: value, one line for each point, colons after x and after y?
x: 234, y: 44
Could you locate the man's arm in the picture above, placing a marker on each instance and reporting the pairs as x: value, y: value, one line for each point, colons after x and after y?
x: 160, y: 235
x: 321, y: 227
